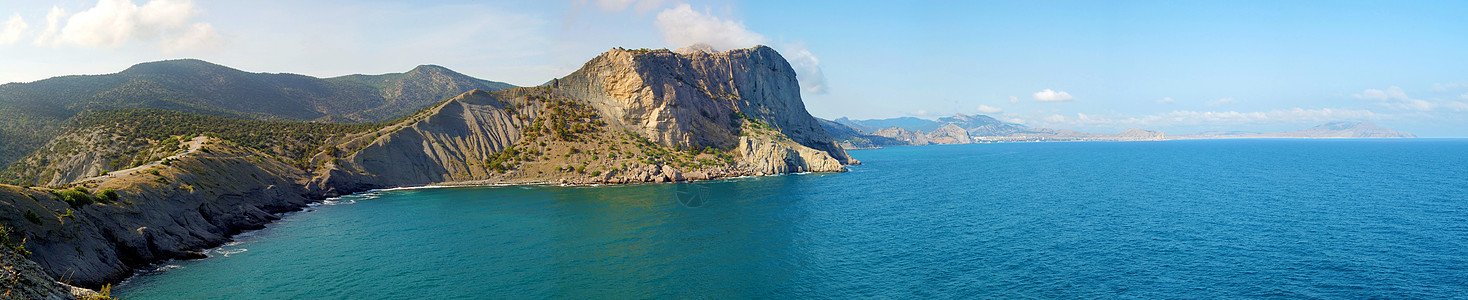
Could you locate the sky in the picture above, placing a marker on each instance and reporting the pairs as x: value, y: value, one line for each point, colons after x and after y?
x: 1099, y: 66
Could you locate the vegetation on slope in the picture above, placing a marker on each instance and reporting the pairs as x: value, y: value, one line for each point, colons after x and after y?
x: 33, y: 113
x: 294, y: 140
x: 568, y: 137
x: 137, y: 136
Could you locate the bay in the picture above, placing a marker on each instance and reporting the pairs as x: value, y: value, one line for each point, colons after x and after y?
x: 1174, y: 219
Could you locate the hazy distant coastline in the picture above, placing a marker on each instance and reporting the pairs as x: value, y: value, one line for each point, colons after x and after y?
x: 970, y: 129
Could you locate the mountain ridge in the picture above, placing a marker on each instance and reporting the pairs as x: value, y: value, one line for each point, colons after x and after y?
x: 33, y: 113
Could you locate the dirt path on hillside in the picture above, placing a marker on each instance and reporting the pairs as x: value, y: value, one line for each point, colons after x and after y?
x: 194, y: 145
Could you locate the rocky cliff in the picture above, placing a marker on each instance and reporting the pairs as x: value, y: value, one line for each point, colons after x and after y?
x: 21, y: 278
x: 697, y: 99
x: 626, y: 116
x: 949, y: 134
x: 104, y: 227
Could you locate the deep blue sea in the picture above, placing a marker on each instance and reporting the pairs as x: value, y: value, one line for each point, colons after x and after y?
x: 1176, y: 219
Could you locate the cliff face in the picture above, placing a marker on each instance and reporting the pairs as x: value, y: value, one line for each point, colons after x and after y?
x: 23, y: 279
x: 696, y: 99
x: 447, y: 143
x: 196, y: 201
x: 626, y: 116
x: 949, y: 134
x: 902, y: 134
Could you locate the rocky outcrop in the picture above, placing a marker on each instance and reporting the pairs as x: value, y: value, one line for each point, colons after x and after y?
x: 1135, y: 134
x: 161, y: 211
x: 449, y: 143
x: 22, y: 279
x: 949, y: 134
x: 902, y: 134
x: 81, y: 154
x: 696, y: 99
x: 626, y: 116
x: 768, y: 156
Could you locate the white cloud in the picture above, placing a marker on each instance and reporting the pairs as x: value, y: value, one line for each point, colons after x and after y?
x: 1463, y: 96
x: 1411, y: 104
x: 199, y: 36
x: 1013, y: 99
x: 641, y: 6
x: 682, y: 26
x: 53, y: 24
x: 1166, y: 100
x: 113, y: 23
x: 1211, y: 118
x: 1391, y: 93
x: 807, y: 68
x: 1443, y: 87
x: 1395, y: 98
x: 1456, y: 106
x: 13, y: 28
x: 1048, y: 95
x: 1221, y: 101
x: 989, y: 109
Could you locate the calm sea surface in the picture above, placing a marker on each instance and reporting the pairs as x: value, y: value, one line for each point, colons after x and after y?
x: 1177, y: 219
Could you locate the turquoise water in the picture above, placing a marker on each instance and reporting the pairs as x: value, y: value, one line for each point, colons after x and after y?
x: 1177, y: 219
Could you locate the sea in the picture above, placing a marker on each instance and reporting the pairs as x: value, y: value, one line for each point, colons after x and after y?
x: 1152, y: 220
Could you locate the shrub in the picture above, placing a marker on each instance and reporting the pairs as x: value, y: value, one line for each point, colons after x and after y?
x: 109, y: 194
x: 33, y: 217
x: 76, y: 198
x: 17, y: 247
x: 105, y: 293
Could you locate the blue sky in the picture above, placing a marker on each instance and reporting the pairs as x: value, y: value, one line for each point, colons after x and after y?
x: 1175, y: 66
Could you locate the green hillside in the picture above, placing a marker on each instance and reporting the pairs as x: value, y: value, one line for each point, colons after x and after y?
x: 33, y: 113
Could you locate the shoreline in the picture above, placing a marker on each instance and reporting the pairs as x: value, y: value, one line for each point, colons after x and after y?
x: 153, y: 267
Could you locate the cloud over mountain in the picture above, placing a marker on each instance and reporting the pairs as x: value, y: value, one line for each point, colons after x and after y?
x: 1049, y: 95
x: 113, y: 23
x: 13, y: 27
x: 681, y: 25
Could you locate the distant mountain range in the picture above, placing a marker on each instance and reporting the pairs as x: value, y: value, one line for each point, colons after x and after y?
x: 965, y: 129
x: 1327, y: 130
x: 33, y: 113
